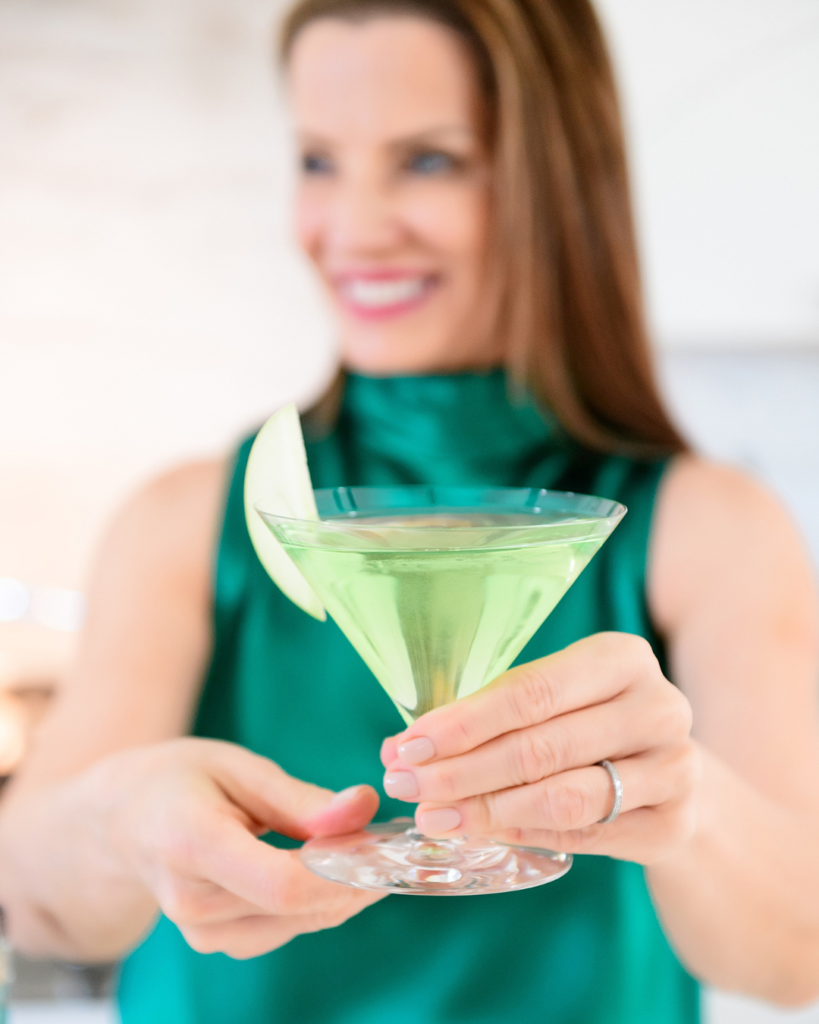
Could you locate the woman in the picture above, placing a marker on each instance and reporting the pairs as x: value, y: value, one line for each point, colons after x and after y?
x: 463, y: 197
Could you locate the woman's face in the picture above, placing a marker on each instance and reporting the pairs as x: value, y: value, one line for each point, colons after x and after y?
x: 394, y: 191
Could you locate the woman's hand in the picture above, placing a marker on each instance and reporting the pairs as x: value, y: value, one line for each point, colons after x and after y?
x: 518, y: 761
x: 183, y: 818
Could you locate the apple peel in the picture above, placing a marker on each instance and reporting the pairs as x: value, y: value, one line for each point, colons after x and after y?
x: 277, y: 480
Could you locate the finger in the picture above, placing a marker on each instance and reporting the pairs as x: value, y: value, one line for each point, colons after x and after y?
x: 626, y: 725
x: 241, y: 939
x: 196, y: 901
x: 190, y: 902
x: 644, y: 835
x: 274, y: 880
x: 285, y: 804
x: 348, y: 811
x: 569, y: 801
x: 258, y: 934
x: 588, y: 672
x: 389, y: 750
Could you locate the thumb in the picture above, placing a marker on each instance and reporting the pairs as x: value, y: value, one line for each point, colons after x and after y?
x: 288, y: 805
x: 347, y: 811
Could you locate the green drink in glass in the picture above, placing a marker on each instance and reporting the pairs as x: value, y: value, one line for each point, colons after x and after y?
x: 439, y: 589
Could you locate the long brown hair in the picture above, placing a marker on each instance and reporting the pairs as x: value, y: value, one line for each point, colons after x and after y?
x: 562, y: 237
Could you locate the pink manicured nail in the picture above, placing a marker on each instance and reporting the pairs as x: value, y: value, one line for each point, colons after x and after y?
x: 442, y: 819
x: 346, y: 794
x: 417, y: 750
x: 401, y: 785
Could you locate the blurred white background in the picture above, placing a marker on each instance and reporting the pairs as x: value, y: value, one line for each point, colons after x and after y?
x: 152, y: 307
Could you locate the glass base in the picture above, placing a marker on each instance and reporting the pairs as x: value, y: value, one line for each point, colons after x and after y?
x: 396, y: 857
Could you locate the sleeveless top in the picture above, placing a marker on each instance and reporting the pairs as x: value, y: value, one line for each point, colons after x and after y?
x: 587, y: 949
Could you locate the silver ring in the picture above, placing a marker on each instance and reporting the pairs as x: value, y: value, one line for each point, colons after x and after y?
x: 618, y: 792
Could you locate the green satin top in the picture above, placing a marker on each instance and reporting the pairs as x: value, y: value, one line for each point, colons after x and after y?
x: 587, y: 949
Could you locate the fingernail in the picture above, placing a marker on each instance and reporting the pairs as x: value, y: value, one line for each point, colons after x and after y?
x: 401, y: 785
x: 442, y: 819
x: 417, y: 750
x: 346, y: 794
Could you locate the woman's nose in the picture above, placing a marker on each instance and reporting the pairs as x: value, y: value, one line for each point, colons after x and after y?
x: 364, y: 217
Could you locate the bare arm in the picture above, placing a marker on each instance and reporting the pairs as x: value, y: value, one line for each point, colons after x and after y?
x: 147, y: 639
x: 730, y: 584
x: 134, y: 684
x: 114, y: 816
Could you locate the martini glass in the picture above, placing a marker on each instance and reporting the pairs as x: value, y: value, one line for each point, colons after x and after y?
x: 439, y: 589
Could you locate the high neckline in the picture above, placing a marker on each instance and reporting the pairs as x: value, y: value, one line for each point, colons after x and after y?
x: 465, y: 428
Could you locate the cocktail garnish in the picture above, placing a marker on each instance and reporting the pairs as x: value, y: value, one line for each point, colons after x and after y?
x: 277, y: 478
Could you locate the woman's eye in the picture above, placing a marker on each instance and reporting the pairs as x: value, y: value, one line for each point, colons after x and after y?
x: 431, y: 163
x: 315, y: 163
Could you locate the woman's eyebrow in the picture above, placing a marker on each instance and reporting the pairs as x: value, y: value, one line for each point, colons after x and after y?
x: 426, y: 135
x: 308, y: 138
x: 430, y: 135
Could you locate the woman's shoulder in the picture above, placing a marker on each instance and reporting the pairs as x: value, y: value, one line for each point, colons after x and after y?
x: 696, y: 489
x: 188, y: 495
x: 180, y: 491
x: 716, y: 532
x: 169, y: 525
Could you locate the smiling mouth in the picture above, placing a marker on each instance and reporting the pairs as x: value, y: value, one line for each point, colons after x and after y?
x: 380, y: 297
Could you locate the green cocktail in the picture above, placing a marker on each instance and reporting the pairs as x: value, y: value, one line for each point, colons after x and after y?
x: 439, y: 589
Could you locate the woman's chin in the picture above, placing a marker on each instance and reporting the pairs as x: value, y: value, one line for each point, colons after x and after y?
x: 382, y: 356
x: 384, y: 359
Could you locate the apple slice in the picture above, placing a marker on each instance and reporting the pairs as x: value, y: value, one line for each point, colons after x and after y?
x: 277, y: 479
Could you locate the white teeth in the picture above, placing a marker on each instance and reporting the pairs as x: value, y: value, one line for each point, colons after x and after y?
x: 375, y: 294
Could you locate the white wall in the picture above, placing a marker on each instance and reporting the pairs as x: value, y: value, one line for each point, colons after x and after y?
x: 151, y: 306
x: 722, y: 98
